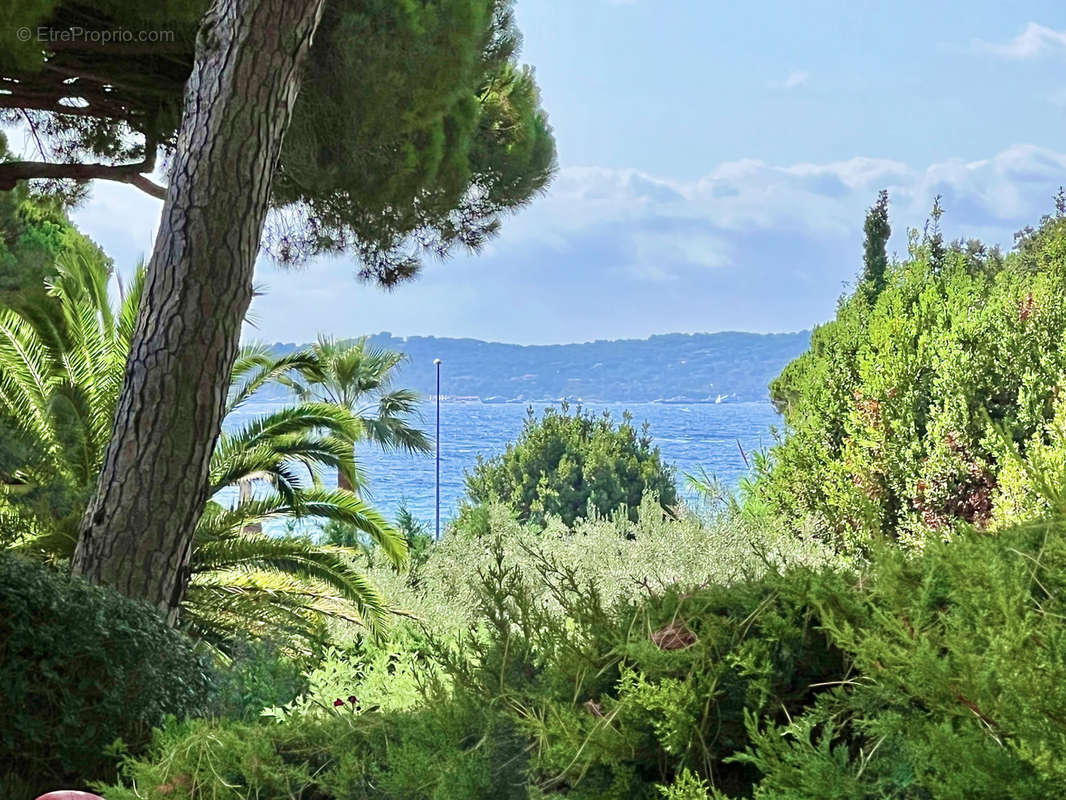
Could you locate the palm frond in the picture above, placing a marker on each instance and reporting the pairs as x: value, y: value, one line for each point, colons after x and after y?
x: 316, y: 452
x: 390, y: 426
x: 131, y: 304
x: 311, y: 435
x: 27, y: 374
x: 219, y: 607
x: 297, y: 419
x: 297, y: 558
x: 256, y: 366
x: 223, y: 523
x: 262, y: 463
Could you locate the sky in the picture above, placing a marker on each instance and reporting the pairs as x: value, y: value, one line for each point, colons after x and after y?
x: 715, y: 163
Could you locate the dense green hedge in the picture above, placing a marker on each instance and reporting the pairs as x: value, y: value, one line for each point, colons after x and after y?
x: 958, y: 683
x: 925, y: 408
x: 81, y: 667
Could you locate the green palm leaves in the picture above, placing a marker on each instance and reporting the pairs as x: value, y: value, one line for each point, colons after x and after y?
x: 61, y: 366
x: 61, y: 363
x: 353, y: 375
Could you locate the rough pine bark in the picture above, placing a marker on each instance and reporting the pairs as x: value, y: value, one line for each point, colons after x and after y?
x: 137, y: 532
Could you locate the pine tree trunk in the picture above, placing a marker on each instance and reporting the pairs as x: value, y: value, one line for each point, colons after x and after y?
x: 138, y: 529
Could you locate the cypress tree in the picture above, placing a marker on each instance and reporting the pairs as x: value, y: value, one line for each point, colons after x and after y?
x: 875, y: 247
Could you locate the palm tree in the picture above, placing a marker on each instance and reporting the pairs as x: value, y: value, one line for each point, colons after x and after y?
x: 61, y: 366
x: 351, y: 374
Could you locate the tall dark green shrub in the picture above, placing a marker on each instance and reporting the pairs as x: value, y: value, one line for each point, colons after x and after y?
x: 875, y: 247
x: 81, y: 667
x: 566, y: 463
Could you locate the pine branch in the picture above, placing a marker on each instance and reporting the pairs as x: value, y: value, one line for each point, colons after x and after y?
x: 15, y: 171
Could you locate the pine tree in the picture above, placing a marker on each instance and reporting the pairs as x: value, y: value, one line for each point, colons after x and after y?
x: 412, y: 130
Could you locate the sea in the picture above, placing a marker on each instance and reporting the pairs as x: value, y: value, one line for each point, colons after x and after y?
x: 717, y: 438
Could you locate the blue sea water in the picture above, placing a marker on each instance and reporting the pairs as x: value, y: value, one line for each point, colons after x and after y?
x: 690, y: 437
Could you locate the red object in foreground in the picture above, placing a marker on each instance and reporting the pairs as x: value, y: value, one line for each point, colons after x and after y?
x: 69, y: 794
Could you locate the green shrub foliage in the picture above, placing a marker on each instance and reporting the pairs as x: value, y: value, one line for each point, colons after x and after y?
x: 567, y: 464
x: 958, y: 688
x: 938, y: 675
x: 258, y: 675
x: 81, y: 667
x: 924, y: 407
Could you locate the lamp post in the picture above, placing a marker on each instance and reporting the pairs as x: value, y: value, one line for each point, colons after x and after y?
x: 436, y: 362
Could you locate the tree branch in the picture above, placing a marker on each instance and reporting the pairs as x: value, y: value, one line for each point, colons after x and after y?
x: 42, y: 102
x: 14, y: 171
x: 147, y: 186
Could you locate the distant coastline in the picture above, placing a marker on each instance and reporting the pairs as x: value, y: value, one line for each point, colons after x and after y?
x: 674, y: 401
x: 676, y: 368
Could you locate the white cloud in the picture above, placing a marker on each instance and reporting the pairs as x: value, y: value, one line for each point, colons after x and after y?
x: 1034, y: 41
x: 793, y: 80
x: 750, y: 245
x: 656, y: 227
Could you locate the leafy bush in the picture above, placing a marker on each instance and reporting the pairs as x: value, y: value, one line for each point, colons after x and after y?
x: 936, y: 676
x: 620, y: 698
x: 921, y: 409
x: 258, y: 675
x: 81, y: 667
x: 959, y: 684
x: 387, y: 675
x: 451, y: 751
x: 34, y: 230
x: 565, y: 465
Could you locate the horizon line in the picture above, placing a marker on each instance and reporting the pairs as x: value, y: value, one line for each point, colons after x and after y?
x: 648, y: 338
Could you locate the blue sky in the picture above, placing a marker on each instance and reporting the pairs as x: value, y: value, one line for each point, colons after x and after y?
x: 715, y: 160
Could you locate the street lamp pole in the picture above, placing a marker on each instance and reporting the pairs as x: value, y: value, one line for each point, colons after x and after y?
x: 436, y: 361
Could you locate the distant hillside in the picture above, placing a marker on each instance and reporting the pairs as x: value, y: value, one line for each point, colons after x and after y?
x: 682, y: 367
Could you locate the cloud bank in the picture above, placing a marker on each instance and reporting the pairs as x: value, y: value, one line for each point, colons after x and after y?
x: 612, y: 253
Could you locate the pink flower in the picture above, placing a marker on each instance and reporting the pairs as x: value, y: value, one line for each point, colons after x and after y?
x: 338, y: 703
